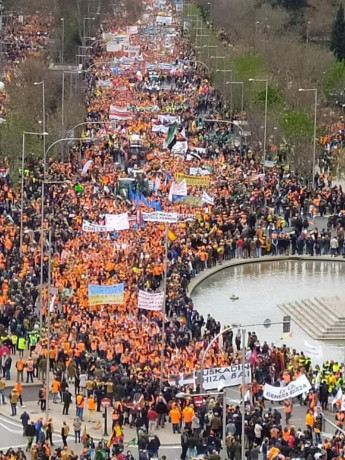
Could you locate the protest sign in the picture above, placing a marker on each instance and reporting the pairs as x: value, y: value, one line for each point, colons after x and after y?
x: 193, y: 180
x: 150, y: 300
x: 294, y: 388
x: 105, y: 294
x: 117, y: 221
x: 95, y: 228
x: 178, y: 189
x: 314, y: 352
x: 227, y: 376
x: 159, y: 216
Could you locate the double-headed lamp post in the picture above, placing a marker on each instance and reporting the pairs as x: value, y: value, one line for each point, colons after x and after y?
x: 314, y: 90
x: 267, y: 323
x: 263, y: 80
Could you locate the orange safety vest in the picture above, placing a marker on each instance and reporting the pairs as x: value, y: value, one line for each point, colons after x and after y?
x: 80, y: 401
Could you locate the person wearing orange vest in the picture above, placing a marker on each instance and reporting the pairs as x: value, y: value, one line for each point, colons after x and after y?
x: 55, y: 387
x: 287, y: 410
x: 19, y: 389
x: 20, y: 369
x: 91, y: 405
x: 80, y: 402
x: 188, y: 414
x: 175, y: 416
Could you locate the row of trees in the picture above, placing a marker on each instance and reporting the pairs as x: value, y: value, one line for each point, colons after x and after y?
x: 25, y: 104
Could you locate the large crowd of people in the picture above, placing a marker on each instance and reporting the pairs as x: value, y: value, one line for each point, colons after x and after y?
x: 145, y: 115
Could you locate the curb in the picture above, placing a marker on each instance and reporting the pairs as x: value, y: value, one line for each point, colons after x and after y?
x: 201, y: 277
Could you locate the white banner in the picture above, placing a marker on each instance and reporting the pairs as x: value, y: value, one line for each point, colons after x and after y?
x: 170, y: 119
x: 294, y: 388
x: 150, y: 300
x: 159, y: 216
x: 132, y: 30
x: 114, y: 47
x: 166, y: 20
x: 180, y: 147
x: 95, y: 228
x: 160, y: 129
x: 178, y: 189
x: 194, y: 171
x: 117, y: 221
x: 225, y: 376
x: 313, y: 351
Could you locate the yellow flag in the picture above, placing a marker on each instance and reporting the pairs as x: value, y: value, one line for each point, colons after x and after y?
x: 171, y: 235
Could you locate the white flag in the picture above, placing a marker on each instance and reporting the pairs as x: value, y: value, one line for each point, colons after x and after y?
x: 157, y: 184
x: 178, y: 189
x: 150, y: 300
x: 206, y: 198
x: 338, y: 396
x: 86, y: 167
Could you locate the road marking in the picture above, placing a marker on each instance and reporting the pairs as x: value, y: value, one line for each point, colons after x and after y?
x: 13, y: 447
x: 17, y: 424
x: 11, y: 431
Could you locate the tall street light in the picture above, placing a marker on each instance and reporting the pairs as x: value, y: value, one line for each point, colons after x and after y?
x: 43, y: 123
x: 224, y: 71
x: 29, y: 133
x: 242, y: 91
x: 315, y: 115
x: 62, y: 39
x: 63, y: 104
x: 49, y: 289
x: 308, y: 24
x: 84, y: 29
x: 264, y: 80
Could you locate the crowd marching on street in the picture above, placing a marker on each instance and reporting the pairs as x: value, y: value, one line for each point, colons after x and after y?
x: 153, y: 154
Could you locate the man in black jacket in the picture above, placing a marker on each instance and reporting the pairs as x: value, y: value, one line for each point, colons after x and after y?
x: 66, y: 399
x: 30, y: 434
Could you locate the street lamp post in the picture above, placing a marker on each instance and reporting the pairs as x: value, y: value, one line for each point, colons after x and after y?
x: 242, y: 92
x: 63, y: 104
x: 217, y: 58
x: 266, y: 324
x: 224, y: 71
x: 22, y: 187
x: 84, y: 29
x: 264, y: 80
x: 308, y: 24
x: 315, y: 118
x: 43, y: 123
x: 62, y: 39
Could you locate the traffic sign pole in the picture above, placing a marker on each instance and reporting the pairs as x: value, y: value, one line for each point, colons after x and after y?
x: 105, y: 403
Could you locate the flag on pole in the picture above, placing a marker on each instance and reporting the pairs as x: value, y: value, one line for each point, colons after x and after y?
x: 171, y: 235
x: 206, y: 198
x: 338, y: 397
x: 170, y: 140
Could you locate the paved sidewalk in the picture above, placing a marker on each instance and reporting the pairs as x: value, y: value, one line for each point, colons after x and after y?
x: 94, y: 429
